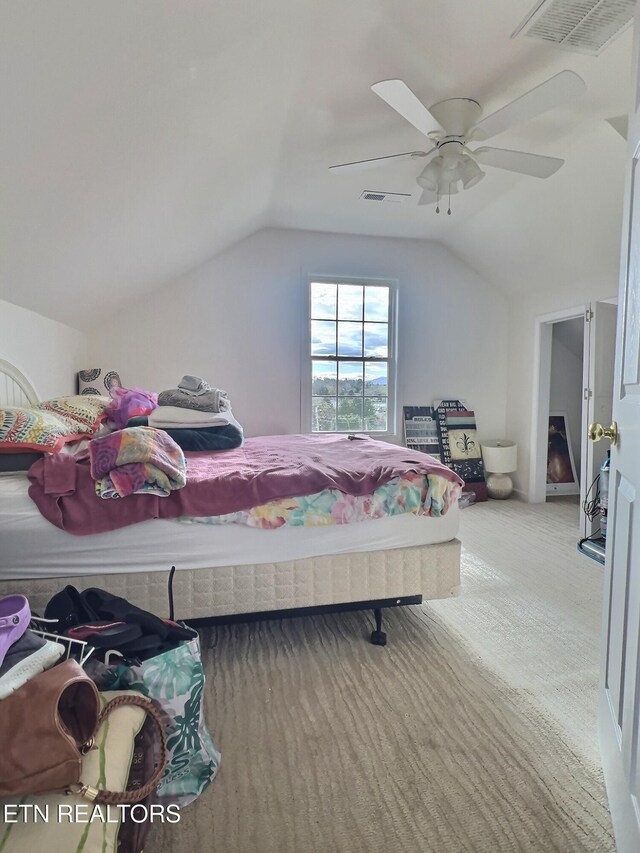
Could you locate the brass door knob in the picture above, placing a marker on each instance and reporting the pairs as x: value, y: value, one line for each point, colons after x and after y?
x: 597, y: 431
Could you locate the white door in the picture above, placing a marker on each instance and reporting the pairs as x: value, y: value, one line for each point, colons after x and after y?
x: 619, y: 720
x: 599, y: 355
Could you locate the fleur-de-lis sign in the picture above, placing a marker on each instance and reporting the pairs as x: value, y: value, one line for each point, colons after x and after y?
x: 465, y: 444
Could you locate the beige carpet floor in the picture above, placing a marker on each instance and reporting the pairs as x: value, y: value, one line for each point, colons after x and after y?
x: 531, y: 608
x: 471, y: 731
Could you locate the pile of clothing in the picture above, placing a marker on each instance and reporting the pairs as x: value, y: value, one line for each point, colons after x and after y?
x: 140, y: 447
x: 58, y: 688
x: 23, y: 654
x: 196, y: 416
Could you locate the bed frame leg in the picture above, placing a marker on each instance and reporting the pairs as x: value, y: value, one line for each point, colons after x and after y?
x: 378, y: 637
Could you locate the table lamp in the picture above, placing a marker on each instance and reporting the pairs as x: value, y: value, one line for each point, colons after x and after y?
x: 500, y: 459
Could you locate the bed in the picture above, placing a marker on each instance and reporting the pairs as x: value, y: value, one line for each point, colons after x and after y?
x: 231, y: 572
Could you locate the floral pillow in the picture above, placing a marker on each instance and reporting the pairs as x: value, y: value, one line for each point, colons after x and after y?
x: 85, y: 410
x: 49, y: 425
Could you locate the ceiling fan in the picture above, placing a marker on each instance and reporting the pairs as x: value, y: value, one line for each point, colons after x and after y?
x: 459, y: 122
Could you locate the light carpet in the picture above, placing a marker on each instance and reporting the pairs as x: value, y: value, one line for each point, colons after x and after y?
x: 471, y: 731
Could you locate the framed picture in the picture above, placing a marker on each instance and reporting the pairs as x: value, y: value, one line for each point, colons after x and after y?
x: 421, y: 429
x: 561, y: 470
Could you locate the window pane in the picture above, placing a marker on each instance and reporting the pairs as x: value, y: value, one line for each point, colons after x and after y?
x: 323, y: 337
x: 375, y: 413
x: 376, y: 303
x: 323, y: 414
x: 350, y: 298
x: 376, y: 339
x: 349, y: 414
x: 350, y: 339
x: 323, y: 378
x: 350, y: 378
x: 375, y: 379
x: 323, y: 300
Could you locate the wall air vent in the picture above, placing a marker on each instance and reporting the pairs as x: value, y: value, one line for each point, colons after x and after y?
x: 583, y: 26
x: 389, y: 198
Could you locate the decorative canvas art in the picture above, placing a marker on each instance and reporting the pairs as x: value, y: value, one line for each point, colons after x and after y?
x: 460, y: 446
x: 421, y: 429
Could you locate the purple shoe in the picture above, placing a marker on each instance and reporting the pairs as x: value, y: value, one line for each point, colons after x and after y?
x: 15, y: 616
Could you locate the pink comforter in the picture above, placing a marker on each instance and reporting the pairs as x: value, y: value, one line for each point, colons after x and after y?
x: 263, y: 469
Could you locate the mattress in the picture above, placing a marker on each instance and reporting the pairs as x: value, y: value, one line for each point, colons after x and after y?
x: 432, y: 571
x: 31, y: 547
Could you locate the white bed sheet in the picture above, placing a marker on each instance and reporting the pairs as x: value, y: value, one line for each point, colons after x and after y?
x: 31, y: 547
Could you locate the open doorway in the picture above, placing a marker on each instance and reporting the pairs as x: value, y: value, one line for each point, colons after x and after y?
x: 564, y: 449
x: 573, y: 387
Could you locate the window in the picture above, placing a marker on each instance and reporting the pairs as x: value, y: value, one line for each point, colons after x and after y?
x: 351, y: 333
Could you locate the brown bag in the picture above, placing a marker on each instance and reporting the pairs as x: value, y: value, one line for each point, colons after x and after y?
x: 49, y: 723
x: 133, y: 833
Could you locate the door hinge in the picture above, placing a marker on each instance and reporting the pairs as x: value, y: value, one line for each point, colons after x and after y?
x: 588, y: 315
x: 587, y: 393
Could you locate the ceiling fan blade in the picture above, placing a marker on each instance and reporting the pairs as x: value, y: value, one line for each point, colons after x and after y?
x: 358, y: 165
x: 399, y: 96
x: 536, y: 165
x: 621, y: 124
x: 427, y: 197
x: 554, y: 92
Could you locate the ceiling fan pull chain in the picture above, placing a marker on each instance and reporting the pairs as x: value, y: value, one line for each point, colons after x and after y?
x: 449, y: 211
x: 438, y: 200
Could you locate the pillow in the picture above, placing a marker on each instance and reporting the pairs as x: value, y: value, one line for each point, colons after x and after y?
x: 95, y: 380
x: 87, y: 410
x: 49, y: 425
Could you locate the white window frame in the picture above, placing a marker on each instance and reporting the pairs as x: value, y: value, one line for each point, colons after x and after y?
x: 305, y: 389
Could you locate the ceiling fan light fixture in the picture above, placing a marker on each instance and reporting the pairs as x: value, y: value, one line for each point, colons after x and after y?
x: 446, y: 187
x: 429, y: 178
x: 472, y: 174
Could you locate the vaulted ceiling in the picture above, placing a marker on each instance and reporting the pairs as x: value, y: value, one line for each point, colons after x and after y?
x: 140, y: 139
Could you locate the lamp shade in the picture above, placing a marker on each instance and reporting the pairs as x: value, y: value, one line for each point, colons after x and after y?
x: 472, y: 174
x: 500, y: 456
x: 430, y: 175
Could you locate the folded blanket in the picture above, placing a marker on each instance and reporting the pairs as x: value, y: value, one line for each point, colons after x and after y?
x: 134, y: 479
x: 213, y: 400
x: 203, y: 439
x: 136, y: 460
x: 208, y: 438
x: 194, y: 385
x: 175, y: 417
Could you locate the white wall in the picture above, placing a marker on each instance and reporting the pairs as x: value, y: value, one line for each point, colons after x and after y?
x: 240, y: 322
x: 567, y: 384
x: 47, y: 352
x: 523, y: 311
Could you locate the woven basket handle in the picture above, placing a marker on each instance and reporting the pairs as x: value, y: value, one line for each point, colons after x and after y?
x: 124, y: 797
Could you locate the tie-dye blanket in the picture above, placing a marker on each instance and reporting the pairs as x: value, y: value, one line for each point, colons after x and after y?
x: 413, y: 492
x: 136, y: 460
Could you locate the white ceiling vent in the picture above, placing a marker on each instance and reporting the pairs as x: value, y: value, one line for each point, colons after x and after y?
x: 584, y: 26
x: 389, y: 198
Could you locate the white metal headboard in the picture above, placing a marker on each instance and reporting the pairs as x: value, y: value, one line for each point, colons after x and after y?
x: 15, y: 388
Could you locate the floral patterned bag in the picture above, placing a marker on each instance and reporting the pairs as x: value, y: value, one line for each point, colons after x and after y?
x: 175, y: 681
